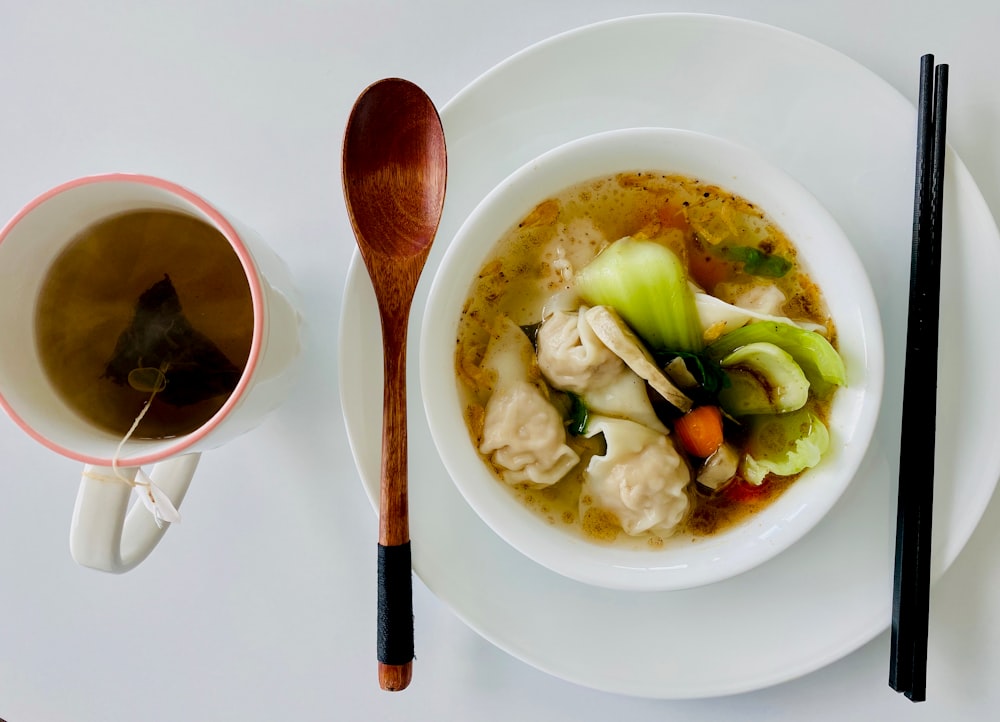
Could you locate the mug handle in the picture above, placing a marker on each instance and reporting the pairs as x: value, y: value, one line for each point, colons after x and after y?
x: 104, y: 533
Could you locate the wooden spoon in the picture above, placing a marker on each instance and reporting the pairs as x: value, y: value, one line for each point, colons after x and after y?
x: 394, y: 174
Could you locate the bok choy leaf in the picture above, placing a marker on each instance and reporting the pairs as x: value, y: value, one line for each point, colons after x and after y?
x: 820, y: 361
x: 784, y: 444
x: 645, y: 282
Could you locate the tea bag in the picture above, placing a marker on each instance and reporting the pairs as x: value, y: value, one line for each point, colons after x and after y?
x: 160, y: 341
x: 163, y: 355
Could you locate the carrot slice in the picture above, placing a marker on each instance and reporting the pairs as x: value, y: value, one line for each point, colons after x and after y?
x: 707, y: 270
x: 700, y: 430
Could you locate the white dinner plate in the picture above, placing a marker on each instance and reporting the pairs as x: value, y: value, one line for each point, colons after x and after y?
x: 849, y: 138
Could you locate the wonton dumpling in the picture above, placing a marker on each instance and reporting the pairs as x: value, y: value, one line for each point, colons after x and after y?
x: 625, y: 398
x: 766, y: 298
x: 523, y: 432
x: 641, y: 478
x: 572, y: 358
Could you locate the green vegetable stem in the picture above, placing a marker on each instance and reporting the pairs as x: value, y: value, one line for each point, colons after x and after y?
x: 756, y: 262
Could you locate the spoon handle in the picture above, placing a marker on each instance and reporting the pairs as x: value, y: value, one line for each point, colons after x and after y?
x: 395, y: 576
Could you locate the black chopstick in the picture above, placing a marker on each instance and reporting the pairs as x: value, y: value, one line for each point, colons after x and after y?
x: 911, y: 578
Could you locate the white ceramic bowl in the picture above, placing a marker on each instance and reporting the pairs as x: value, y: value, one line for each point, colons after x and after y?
x: 827, y: 256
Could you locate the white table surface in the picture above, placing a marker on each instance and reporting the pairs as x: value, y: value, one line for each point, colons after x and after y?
x: 245, y: 102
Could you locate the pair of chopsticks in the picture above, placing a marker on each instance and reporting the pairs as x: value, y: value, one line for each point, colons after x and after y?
x: 911, y: 578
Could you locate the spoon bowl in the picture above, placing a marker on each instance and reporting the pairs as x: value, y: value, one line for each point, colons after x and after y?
x: 394, y: 177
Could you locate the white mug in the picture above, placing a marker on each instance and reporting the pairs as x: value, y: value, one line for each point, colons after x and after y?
x: 106, y: 533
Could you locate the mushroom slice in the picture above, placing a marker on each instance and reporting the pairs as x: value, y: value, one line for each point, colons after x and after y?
x: 677, y: 371
x: 617, y: 336
x: 720, y: 468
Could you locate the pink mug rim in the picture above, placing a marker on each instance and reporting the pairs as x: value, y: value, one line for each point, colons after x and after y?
x: 182, y: 443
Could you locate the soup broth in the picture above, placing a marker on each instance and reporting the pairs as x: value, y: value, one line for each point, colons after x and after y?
x: 110, y: 332
x: 729, y: 248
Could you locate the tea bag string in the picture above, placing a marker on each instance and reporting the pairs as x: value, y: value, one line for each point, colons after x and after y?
x: 128, y: 435
x: 154, y: 499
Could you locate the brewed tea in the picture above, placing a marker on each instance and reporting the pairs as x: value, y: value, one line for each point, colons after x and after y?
x: 148, y: 294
